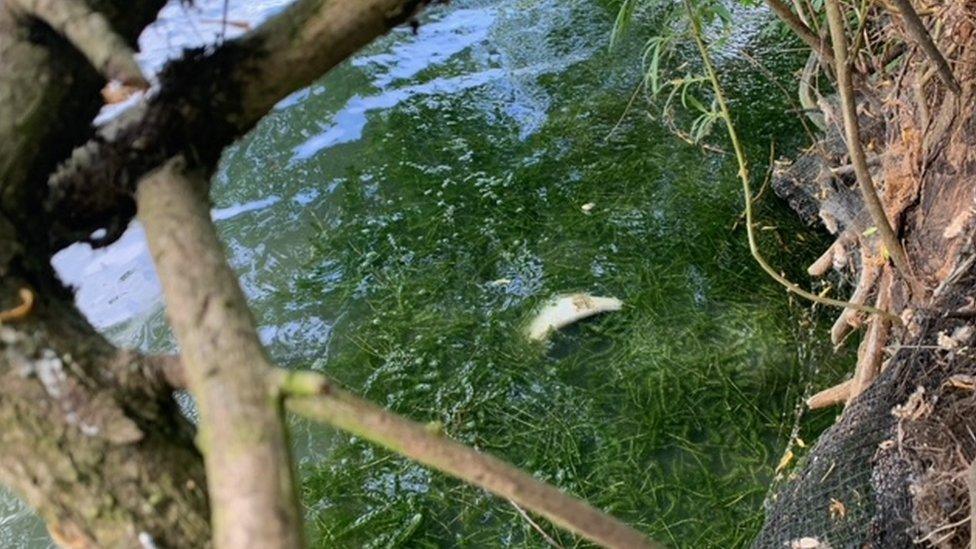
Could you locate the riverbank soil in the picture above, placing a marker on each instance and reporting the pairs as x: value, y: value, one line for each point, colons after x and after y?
x: 894, y: 469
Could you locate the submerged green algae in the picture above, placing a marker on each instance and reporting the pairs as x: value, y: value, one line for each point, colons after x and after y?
x: 459, y: 210
x: 397, y: 224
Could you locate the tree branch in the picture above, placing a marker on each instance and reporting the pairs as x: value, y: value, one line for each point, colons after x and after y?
x: 90, y: 32
x: 242, y: 437
x: 740, y: 157
x: 852, y: 134
x: 800, y: 28
x: 315, y: 397
x: 417, y: 442
x: 101, y: 457
x: 916, y: 29
x: 206, y: 101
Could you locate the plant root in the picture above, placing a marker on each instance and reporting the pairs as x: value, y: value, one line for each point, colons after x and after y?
x: 849, y: 318
x: 870, y: 355
x: 834, y: 257
x: 838, y: 394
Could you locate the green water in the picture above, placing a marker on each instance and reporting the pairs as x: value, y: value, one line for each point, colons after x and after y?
x: 397, y: 224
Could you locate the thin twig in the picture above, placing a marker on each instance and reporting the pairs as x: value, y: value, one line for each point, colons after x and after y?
x: 762, y: 189
x: 744, y: 177
x: 223, y: 22
x: 797, y: 107
x: 859, y: 34
x: 535, y: 526
x: 800, y: 28
x: 623, y: 115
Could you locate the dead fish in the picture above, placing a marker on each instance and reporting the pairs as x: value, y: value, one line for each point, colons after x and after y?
x: 565, y: 310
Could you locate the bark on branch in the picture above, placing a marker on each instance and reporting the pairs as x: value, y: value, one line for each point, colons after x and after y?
x: 206, y: 101
x: 245, y: 448
x: 92, y: 34
x: 103, y: 457
x: 800, y: 28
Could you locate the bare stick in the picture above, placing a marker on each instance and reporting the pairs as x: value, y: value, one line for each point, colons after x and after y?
x: 426, y: 446
x: 916, y: 29
x: 91, y: 34
x: 535, y: 526
x: 740, y: 156
x: 852, y: 133
x: 315, y: 397
x: 242, y: 436
x: 797, y: 25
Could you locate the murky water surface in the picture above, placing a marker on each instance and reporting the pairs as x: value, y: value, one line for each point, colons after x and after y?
x: 396, y: 224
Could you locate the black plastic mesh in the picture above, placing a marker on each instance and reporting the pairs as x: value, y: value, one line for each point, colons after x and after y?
x: 858, y: 485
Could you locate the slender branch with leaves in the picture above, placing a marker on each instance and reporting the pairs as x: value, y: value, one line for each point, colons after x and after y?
x: 740, y: 157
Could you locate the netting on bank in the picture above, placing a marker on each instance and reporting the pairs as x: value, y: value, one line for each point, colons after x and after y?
x: 893, y: 470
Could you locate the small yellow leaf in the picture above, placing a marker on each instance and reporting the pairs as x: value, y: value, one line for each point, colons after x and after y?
x: 837, y: 509
x: 785, y: 461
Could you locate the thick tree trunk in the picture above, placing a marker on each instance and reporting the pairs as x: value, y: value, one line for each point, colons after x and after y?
x: 96, y: 447
x: 88, y: 439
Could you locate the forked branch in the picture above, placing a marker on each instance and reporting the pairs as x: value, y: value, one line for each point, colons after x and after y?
x: 800, y: 28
